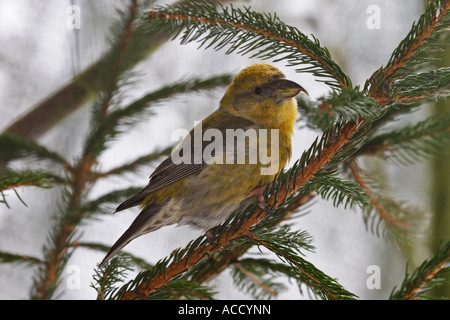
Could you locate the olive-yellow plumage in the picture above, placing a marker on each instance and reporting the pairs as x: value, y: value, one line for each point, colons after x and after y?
x: 204, y: 194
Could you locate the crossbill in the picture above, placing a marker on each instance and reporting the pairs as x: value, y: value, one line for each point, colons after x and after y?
x: 203, y: 182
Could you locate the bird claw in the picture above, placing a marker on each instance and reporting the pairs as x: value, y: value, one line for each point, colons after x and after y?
x: 263, y: 206
x: 211, y: 236
x: 259, y: 194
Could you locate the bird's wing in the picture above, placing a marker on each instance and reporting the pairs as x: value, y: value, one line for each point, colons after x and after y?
x: 169, y: 172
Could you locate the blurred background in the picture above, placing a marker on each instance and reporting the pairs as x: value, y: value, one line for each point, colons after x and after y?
x: 39, y: 54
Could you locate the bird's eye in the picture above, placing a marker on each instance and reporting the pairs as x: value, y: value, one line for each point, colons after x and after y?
x: 258, y: 90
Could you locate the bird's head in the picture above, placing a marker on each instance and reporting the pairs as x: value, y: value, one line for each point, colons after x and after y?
x: 261, y: 93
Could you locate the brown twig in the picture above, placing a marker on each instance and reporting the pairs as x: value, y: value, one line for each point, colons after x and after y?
x: 255, y: 279
x: 378, y: 206
x: 313, y: 281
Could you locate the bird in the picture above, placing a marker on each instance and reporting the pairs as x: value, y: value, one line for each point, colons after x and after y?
x: 202, y: 182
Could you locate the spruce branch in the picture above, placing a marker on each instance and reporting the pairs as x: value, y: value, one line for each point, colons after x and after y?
x: 255, y: 282
x: 386, y: 215
x: 317, y: 281
x: 422, y: 87
x: 148, y: 281
x: 16, y: 147
x: 329, y: 186
x: 346, y: 105
x: 56, y: 252
x: 64, y: 233
x: 432, y: 273
x: 411, y: 143
x: 246, y: 31
x: 362, y: 182
x: 113, y: 73
x: 413, y: 51
x: 271, y: 269
x: 133, y: 165
x: 207, y: 269
x: 13, y: 179
x: 183, y: 289
x: 108, y: 276
x: 6, y: 257
x: 421, y: 37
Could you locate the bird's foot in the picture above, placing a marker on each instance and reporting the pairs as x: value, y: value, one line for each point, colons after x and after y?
x: 259, y: 194
x: 210, y: 236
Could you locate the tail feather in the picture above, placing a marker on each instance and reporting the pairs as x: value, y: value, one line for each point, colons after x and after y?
x: 131, y: 202
x: 139, y: 227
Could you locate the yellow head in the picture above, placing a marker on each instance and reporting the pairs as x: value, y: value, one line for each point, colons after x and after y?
x: 261, y: 93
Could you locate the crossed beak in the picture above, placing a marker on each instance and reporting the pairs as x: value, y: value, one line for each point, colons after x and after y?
x: 286, y: 89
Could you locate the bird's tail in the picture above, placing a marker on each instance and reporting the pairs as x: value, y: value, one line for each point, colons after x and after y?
x: 141, y: 225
